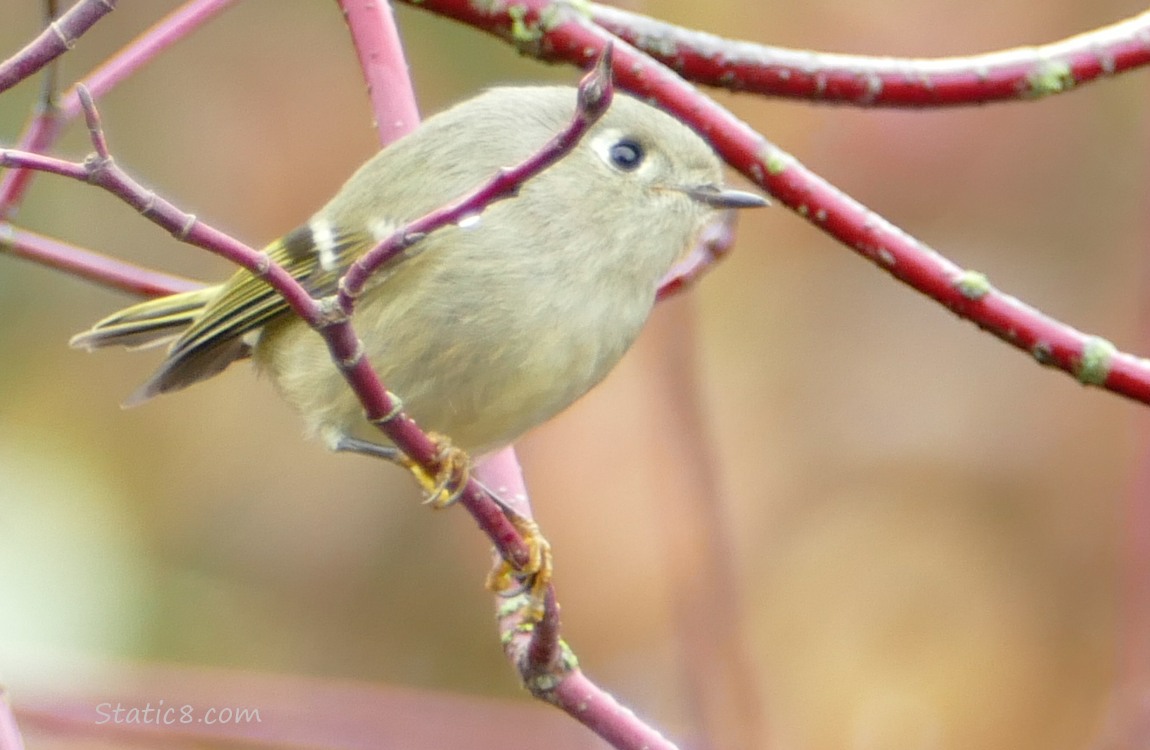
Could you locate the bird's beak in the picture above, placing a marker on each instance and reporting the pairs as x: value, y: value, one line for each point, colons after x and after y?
x: 718, y: 197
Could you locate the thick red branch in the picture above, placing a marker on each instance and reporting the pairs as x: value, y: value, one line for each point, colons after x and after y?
x: 384, y: 67
x: 1007, y: 75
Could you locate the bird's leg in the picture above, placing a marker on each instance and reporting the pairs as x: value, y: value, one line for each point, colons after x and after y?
x: 444, y: 486
x: 441, y: 488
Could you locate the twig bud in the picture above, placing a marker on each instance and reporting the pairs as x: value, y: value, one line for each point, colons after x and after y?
x: 597, y: 88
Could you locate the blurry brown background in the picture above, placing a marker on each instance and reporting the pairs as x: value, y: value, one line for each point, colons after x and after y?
x: 928, y: 527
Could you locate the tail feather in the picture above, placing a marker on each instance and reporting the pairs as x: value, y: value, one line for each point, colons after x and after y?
x: 161, y: 321
x: 147, y: 324
x: 190, y: 366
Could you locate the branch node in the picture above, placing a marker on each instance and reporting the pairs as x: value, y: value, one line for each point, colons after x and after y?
x: 183, y: 232
x: 330, y: 312
x: 263, y: 265
x: 352, y: 360
x: 395, y: 410
x: 149, y: 205
x: 58, y: 30
x: 346, y: 292
x: 95, y: 165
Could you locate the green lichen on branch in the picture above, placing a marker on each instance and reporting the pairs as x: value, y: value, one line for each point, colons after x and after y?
x: 1050, y: 77
x: 522, y: 32
x: 973, y: 285
x: 1093, y: 367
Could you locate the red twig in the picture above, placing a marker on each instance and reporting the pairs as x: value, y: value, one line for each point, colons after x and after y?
x: 166, y: 32
x: 102, y: 171
x: 41, y: 132
x: 546, y: 666
x: 58, y: 38
x: 384, y: 67
x: 555, y: 32
x: 381, y: 58
x: 88, y: 265
x: 595, y: 94
x: 601, y: 713
x: 41, y: 163
x: 1007, y: 75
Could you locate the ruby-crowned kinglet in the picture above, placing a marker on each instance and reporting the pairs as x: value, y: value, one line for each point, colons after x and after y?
x: 494, y: 326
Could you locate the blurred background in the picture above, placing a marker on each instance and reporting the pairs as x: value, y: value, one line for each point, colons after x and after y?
x: 927, y: 531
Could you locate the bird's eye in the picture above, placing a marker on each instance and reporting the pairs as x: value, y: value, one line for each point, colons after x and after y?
x: 627, y: 154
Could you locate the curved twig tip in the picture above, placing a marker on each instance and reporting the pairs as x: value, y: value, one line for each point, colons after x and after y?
x: 85, y: 98
x: 92, y: 118
x: 597, y: 87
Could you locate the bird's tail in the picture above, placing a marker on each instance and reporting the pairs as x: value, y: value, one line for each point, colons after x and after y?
x: 152, y: 323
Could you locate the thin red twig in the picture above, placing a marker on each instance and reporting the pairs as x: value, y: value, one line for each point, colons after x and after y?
x: 41, y: 163
x: 170, y: 29
x: 60, y: 36
x: 1006, y: 75
x: 39, y: 135
x: 532, y: 650
x: 595, y: 94
x: 546, y: 666
x: 605, y: 716
x: 86, y: 264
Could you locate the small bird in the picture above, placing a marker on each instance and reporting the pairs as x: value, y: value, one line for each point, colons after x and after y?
x: 496, y: 324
